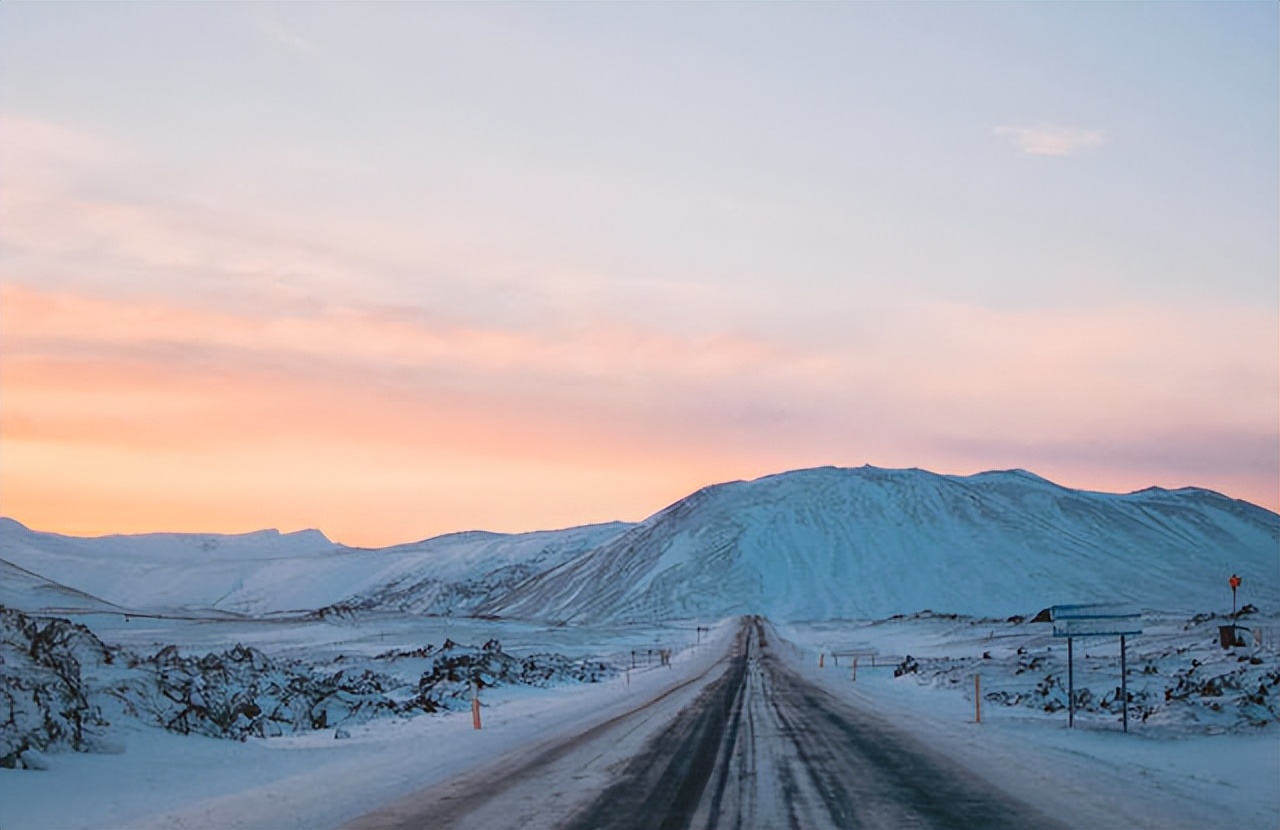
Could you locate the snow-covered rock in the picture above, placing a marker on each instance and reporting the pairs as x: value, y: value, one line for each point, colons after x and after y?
x: 44, y: 700
x: 34, y: 759
x: 57, y: 679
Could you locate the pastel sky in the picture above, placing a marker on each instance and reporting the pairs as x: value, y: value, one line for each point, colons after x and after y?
x: 394, y: 270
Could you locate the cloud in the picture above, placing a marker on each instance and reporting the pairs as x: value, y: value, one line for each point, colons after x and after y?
x: 290, y: 40
x: 47, y: 323
x: 1050, y: 141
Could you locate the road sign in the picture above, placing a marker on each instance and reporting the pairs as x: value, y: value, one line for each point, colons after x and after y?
x: 1093, y: 610
x: 1096, y: 620
x: 1110, y: 627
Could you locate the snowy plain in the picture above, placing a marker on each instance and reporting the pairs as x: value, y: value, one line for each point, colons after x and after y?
x: 1175, y: 774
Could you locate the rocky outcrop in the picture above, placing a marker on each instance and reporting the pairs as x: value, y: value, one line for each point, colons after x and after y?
x: 44, y: 701
x: 57, y: 679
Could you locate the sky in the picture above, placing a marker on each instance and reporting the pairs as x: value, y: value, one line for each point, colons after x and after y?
x: 396, y: 270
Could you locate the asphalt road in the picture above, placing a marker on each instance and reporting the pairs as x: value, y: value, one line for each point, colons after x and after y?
x: 750, y: 744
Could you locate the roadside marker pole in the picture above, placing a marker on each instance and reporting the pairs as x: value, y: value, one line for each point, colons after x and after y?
x: 475, y: 706
x: 977, y: 698
x: 821, y: 659
x: 855, y: 669
x: 1124, y: 686
x: 1071, y: 687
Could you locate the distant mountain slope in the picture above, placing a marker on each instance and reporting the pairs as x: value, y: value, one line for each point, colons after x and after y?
x: 868, y: 542
x: 272, y: 573
x: 19, y: 588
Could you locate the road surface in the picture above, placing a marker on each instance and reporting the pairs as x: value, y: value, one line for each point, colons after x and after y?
x: 749, y: 744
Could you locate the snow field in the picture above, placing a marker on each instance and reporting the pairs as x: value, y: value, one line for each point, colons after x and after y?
x: 310, y: 779
x: 1173, y: 774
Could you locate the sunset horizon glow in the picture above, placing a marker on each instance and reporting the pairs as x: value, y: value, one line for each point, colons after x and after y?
x: 396, y: 271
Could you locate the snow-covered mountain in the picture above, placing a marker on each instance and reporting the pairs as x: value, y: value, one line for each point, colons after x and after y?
x: 811, y: 544
x: 267, y: 572
x: 19, y: 588
x: 869, y: 543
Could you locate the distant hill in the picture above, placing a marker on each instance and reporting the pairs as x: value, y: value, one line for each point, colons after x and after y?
x: 867, y: 542
x: 270, y: 573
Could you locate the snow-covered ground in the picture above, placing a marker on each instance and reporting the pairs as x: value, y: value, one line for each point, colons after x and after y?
x: 1209, y: 770
x: 1190, y: 764
x: 152, y: 778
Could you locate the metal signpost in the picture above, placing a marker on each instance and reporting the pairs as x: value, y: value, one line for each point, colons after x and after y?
x: 1095, y: 620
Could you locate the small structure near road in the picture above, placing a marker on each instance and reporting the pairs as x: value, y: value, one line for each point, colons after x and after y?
x: 1095, y: 620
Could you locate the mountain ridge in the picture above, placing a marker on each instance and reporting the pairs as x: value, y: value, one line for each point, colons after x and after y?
x: 815, y: 543
x: 776, y: 544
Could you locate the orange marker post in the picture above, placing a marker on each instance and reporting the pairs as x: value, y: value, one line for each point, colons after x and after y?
x: 475, y: 707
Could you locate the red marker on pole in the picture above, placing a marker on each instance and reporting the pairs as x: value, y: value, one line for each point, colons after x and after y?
x: 1234, y: 582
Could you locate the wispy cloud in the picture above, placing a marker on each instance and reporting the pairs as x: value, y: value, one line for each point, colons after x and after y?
x: 290, y: 40
x: 1050, y: 141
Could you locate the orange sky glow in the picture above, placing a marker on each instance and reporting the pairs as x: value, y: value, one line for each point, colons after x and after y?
x: 129, y: 416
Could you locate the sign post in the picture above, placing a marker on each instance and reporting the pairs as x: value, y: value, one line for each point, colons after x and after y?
x: 1234, y: 582
x: 1124, y: 686
x: 1071, y: 686
x: 1095, y: 620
